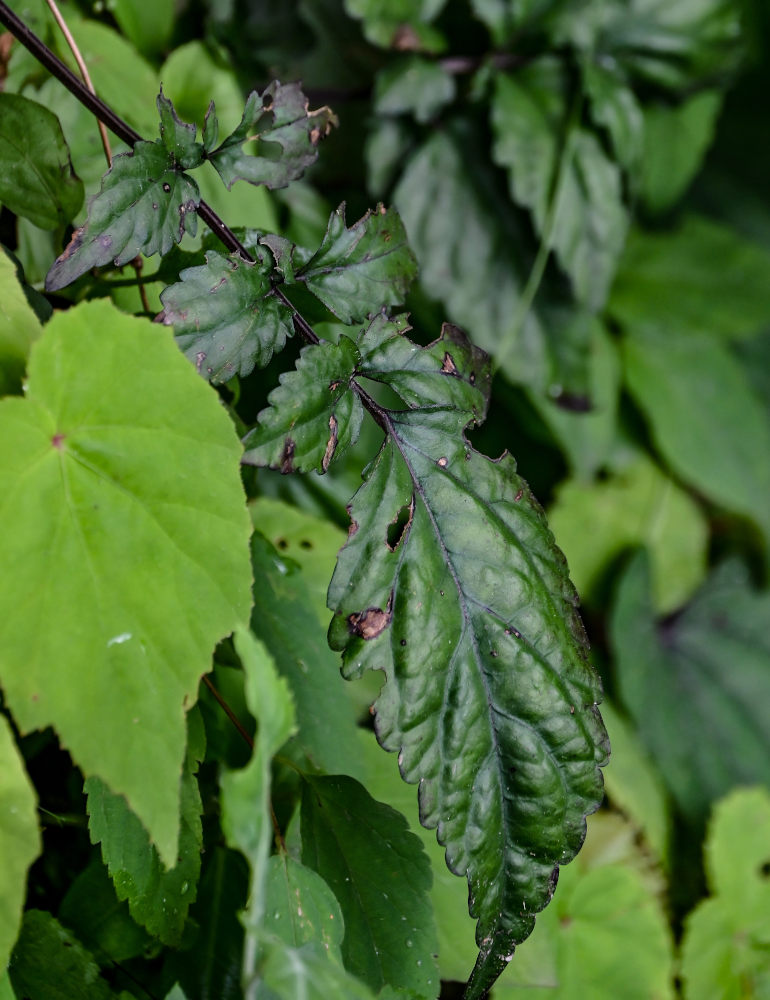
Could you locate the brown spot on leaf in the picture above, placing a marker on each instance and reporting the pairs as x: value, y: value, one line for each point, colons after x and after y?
x: 287, y: 456
x: 331, y: 444
x: 167, y: 187
x: 442, y: 462
x: 58, y: 440
x: 449, y: 367
x: 73, y: 246
x: 519, y: 495
x: 370, y: 623
x: 200, y: 357
x: 267, y: 101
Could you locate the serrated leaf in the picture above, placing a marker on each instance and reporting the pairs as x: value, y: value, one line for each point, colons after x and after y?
x: 358, y: 270
x: 312, y: 417
x: 225, y: 317
x: 380, y: 875
x: 37, y: 179
x: 450, y: 566
x: 297, y: 642
x: 726, y: 945
x: 146, y: 204
x: 671, y: 677
x: 49, y: 963
x: 286, y: 135
x: 301, y: 908
x: 158, y: 899
x: 19, y: 838
x: 127, y: 530
x: 19, y: 327
x: 570, y: 185
x: 178, y: 137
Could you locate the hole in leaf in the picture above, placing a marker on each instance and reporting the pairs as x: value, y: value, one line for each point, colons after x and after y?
x: 399, y: 525
x: 281, y: 543
x: 306, y: 544
x: 764, y: 870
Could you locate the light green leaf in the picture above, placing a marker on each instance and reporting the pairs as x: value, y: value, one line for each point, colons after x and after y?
x: 193, y: 76
x: 380, y: 875
x: 297, y: 642
x: 225, y: 316
x: 37, y: 179
x: 306, y: 972
x: 312, y: 417
x: 358, y: 270
x: 572, y: 189
x: 675, y: 142
x: 413, y: 84
x: 726, y: 946
x: 668, y: 280
x: 638, y: 505
x: 145, y: 205
x: 148, y: 26
x: 704, y: 417
x: 19, y: 327
x: 300, y: 907
x: 127, y: 530
x: 19, y: 838
x: 672, y: 679
x: 246, y: 793
x: 157, y: 898
x: 279, y: 121
x: 309, y: 541
x: 450, y: 583
x: 49, y: 963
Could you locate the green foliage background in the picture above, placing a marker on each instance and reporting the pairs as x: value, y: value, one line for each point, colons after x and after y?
x: 584, y: 188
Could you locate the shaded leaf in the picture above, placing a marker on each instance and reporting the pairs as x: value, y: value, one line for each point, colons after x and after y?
x: 403, y: 23
x: 297, y: 642
x: 380, y: 875
x: 571, y: 187
x: 672, y: 679
x: 158, y: 899
x: 37, y: 179
x: 312, y: 417
x: 148, y: 26
x: 614, y: 107
x: 128, y: 532
x: 145, y: 205
x: 19, y: 838
x: 726, y: 946
x: 286, y: 135
x: 358, y: 270
x: 225, y: 317
x: 19, y: 327
x: 413, y: 84
x: 306, y: 972
x: 704, y: 416
x: 49, y: 963
x: 301, y: 908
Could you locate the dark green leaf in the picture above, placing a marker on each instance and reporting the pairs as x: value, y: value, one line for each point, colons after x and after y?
x: 225, y: 317
x: 705, y: 417
x: 36, y: 175
x: 99, y: 919
x: 157, y: 898
x: 296, y: 639
x: 145, y: 205
x: 399, y: 23
x: 313, y: 416
x: 49, y: 963
x: 571, y: 187
x: 380, y: 875
x: 707, y: 671
x: 413, y: 84
x: 178, y: 137
x: 301, y: 908
x: 359, y: 270
x: 286, y: 135
x: 450, y: 565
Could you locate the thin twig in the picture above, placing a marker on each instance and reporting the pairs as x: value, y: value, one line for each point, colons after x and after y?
x: 228, y: 711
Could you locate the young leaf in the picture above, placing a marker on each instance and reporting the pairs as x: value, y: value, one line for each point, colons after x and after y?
x: 157, y: 898
x: 360, y: 269
x: 380, y: 874
x: 312, y: 417
x: 663, y: 668
x: 286, y: 135
x: 19, y: 838
x: 126, y: 526
x: 37, y: 179
x: 146, y: 203
x: 225, y: 317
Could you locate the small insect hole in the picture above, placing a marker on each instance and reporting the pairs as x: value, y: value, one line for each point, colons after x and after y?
x: 282, y: 544
x: 399, y: 525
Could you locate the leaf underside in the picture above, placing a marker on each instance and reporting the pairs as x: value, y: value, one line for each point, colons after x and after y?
x: 451, y: 583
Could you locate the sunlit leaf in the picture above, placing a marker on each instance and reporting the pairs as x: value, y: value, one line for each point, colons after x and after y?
x: 19, y: 327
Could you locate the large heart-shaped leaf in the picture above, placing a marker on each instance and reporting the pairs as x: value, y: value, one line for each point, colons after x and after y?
x: 126, y: 547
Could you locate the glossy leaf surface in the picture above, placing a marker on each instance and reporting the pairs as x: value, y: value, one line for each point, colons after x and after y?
x: 128, y: 532
x: 664, y: 666
x: 225, y: 317
x: 36, y: 175
x: 19, y: 838
x: 380, y: 875
x: 286, y: 135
